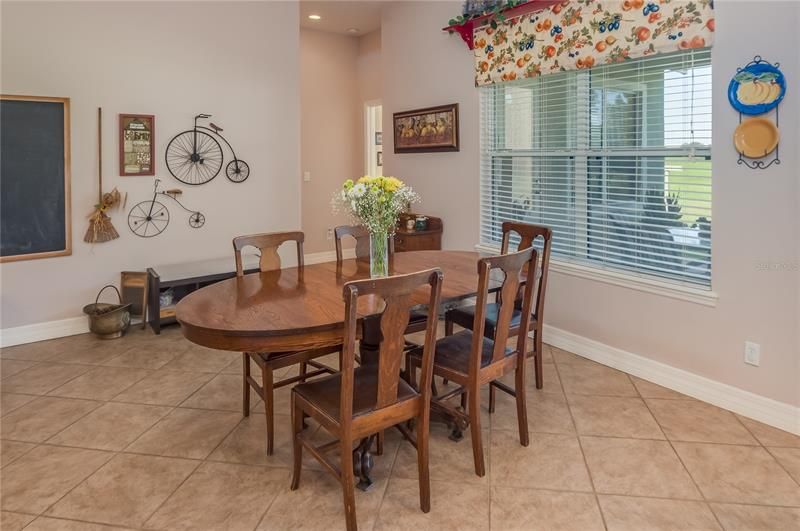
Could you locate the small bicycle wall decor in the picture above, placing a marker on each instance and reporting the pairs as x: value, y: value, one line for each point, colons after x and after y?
x: 150, y: 218
x: 195, y: 156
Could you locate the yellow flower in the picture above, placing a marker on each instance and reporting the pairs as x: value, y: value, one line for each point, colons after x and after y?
x: 391, y: 184
x: 365, y: 179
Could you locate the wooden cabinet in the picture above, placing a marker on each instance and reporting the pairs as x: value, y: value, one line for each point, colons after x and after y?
x: 424, y: 240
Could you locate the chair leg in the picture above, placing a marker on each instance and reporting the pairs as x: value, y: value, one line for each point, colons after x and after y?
x: 448, y: 326
x: 448, y: 331
x: 537, y: 362
x: 475, y: 431
x: 297, y: 448
x: 245, y: 384
x: 379, y: 444
x: 269, y: 406
x: 348, y: 485
x: 491, y: 398
x: 464, y: 399
x: 422, y: 464
x: 303, y: 371
x: 522, y: 406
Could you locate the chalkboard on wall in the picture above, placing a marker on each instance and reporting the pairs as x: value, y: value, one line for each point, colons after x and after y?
x: 34, y: 178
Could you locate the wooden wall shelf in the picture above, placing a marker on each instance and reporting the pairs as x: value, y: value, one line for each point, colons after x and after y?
x: 467, y: 29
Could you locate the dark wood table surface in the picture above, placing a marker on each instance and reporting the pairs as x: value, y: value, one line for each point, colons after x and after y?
x: 294, y: 309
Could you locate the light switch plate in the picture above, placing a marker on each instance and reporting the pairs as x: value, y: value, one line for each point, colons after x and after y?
x: 752, y: 353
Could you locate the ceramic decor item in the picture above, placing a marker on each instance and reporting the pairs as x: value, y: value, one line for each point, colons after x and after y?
x: 757, y: 88
x: 756, y: 138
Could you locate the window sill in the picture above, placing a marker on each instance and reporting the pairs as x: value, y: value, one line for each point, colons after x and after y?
x: 627, y: 280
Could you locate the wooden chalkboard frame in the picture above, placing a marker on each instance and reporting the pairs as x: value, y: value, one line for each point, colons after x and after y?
x: 67, y: 181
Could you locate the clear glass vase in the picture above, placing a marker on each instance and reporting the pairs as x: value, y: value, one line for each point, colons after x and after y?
x: 378, y: 254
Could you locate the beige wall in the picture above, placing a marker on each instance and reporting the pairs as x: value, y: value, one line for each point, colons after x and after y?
x: 755, y: 212
x: 329, y: 128
x: 338, y: 74
x: 235, y: 60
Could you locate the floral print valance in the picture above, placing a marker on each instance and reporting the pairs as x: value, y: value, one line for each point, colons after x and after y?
x: 580, y: 34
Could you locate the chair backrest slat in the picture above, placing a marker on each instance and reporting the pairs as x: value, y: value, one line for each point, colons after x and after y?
x: 528, y: 234
x: 361, y: 235
x: 267, y: 244
x: 397, y: 295
x: 512, y: 266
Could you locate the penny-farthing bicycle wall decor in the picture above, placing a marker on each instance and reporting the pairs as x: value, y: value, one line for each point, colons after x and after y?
x: 150, y: 218
x: 195, y: 156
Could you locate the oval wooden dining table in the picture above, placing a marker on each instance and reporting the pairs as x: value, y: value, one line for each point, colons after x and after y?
x: 301, y: 308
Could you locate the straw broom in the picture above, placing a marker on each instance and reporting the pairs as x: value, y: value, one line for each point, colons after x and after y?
x: 100, y: 227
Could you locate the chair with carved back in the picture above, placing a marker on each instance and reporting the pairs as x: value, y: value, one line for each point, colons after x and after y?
x: 470, y: 359
x: 359, y: 233
x: 268, y: 245
x: 360, y: 402
x: 464, y: 316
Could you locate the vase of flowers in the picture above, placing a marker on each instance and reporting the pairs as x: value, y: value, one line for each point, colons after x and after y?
x: 376, y: 203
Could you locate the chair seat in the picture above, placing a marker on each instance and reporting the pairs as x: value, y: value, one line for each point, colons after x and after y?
x: 453, y: 352
x: 325, y: 393
x: 465, y: 317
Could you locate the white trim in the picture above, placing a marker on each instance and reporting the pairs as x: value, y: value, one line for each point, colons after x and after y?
x: 778, y: 414
x: 626, y: 280
x: 328, y: 256
x: 31, y: 333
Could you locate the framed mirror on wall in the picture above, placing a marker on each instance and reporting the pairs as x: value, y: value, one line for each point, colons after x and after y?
x: 137, y: 145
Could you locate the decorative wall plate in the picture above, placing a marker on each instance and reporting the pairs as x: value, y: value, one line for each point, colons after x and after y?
x: 756, y: 137
x: 757, y: 88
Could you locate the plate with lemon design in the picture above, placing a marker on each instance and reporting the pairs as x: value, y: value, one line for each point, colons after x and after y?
x: 757, y: 88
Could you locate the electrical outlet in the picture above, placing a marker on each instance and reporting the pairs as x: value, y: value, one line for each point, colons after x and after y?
x: 307, y: 176
x: 752, y: 353
x: 330, y: 233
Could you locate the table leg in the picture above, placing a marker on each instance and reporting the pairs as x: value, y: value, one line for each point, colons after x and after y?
x: 363, y: 463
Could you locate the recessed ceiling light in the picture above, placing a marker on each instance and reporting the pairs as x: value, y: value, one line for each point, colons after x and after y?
x: 314, y: 17
x: 352, y: 30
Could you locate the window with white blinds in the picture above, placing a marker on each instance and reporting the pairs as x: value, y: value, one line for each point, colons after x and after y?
x: 615, y: 159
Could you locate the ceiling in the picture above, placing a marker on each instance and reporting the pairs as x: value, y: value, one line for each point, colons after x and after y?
x: 339, y: 16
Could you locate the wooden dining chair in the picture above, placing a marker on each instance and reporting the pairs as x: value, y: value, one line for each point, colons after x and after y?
x: 470, y: 359
x: 358, y: 403
x: 359, y: 233
x: 269, y: 362
x: 465, y: 315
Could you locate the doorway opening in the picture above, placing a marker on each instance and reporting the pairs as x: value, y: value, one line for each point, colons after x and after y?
x: 373, y: 148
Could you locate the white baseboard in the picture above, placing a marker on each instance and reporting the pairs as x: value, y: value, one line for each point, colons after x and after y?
x: 328, y: 256
x: 778, y: 414
x: 31, y: 333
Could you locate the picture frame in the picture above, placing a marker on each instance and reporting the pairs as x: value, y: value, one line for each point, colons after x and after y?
x: 137, y: 145
x: 428, y: 130
x: 379, y: 138
x: 379, y: 161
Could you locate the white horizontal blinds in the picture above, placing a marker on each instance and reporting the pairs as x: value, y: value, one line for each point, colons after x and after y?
x: 615, y: 159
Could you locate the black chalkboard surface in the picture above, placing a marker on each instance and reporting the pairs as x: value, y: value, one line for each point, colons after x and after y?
x: 34, y: 178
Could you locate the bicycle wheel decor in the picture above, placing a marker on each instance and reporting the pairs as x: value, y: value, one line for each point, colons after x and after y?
x: 148, y: 219
x: 237, y: 171
x: 194, y: 157
x: 196, y: 220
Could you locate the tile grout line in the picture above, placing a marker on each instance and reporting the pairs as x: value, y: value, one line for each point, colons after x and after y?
x: 766, y: 449
x: 583, y: 453
x: 680, y: 459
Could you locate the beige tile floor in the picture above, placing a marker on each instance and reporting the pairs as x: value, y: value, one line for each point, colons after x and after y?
x: 146, y: 433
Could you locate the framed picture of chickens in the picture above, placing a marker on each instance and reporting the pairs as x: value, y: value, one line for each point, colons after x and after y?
x: 426, y: 130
